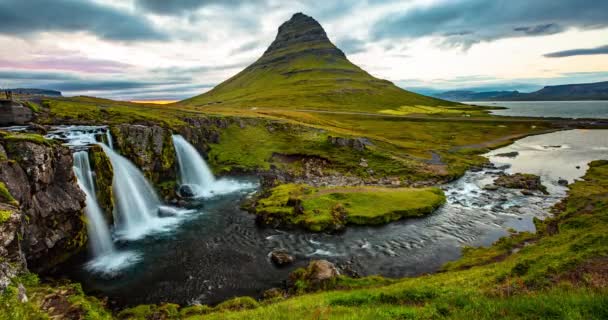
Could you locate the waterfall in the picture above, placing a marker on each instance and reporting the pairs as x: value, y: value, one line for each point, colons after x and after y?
x: 99, y: 233
x: 109, y: 138
x: 196, y: 174
x: 137, y: 205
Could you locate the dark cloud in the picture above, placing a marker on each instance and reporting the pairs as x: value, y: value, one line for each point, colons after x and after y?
x: 19, y: 17
x: 177, y: 7
x: 466, y: 22
x: 351, y: 45
x: 245, y: 47
x: 578, y: 52
x: 34, y: 75
x: 73, y: 63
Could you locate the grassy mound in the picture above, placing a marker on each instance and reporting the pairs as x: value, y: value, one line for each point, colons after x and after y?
x: 319, y: 209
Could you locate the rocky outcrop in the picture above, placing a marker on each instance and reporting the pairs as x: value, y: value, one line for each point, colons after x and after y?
x: 524, y: 181
x: 281, y: 257
x: 319, y: 274
x: 151, y: 149
x: 38, y: 174
x: 358, y: 144
x: 104, y: 174
x: 11, y: 258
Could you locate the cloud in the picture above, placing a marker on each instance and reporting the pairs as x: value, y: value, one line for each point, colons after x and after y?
x: 80, y: 64
x: 351, y: 45
x: 21, y: 18
x: 178, y: 7
x: 578, y: 52
x: 467, y: 22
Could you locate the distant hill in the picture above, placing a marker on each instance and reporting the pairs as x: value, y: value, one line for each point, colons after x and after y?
x: 303, y: 69
x: 32, y: 91
x: 583, y: 91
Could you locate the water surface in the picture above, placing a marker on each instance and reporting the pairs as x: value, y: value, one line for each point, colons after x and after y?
x: 558, y: 109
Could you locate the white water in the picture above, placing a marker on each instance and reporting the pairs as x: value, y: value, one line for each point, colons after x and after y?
x: 109, y: 139
x: 194, y: 172
x: 137, y: 205
x: 105, y: 257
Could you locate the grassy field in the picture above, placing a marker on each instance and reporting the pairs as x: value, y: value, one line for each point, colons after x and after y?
x: 318, y: 209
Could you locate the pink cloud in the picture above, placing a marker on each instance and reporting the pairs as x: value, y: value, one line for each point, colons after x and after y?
x: 78, y: 64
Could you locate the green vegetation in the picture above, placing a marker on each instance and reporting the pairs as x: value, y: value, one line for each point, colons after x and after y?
x: 5, y: 215
x: 319, y: 209
x: 21, y: 136
x: 33, y: 106
x: 558, y: 273
x: 49, y: 301
x: 6, y: 196
x: 104, y: 174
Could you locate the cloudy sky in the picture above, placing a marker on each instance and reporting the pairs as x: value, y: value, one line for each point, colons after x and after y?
x: 165, y: 50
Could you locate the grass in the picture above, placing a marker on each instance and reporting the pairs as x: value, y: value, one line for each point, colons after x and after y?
x: 21, y: 136
x: 33, y: 106
x: 319, y: 209
x: 558, y: 273
x: 5, y: 215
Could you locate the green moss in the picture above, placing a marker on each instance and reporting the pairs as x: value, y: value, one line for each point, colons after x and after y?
x: 5, y: 215
x: 33, y: 106
x: 318, y: 209
x: 239, y: 303
x: 147, y: 311
x: 29, y: 137
x: 6, y: 196
x: 104, y: 174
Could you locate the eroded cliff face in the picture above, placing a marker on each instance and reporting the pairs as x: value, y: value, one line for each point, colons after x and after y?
x: 151, y: 149
x: 104, y: 175
x: 12, y: 261
x: 38, y: 177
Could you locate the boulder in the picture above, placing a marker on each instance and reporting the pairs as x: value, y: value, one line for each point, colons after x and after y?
x: 321, y: 270
x: 186, y: 191
x: 562, y: 182
x: 521, y: 181
x: 281, y: 257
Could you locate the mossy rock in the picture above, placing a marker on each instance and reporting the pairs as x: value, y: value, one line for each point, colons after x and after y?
x: 104, y: 174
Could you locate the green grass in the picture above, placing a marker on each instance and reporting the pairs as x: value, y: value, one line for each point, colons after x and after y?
x: 557, y: 274
x: 319, y: 209
x: 33, y: 106
x: 5, y: 215
x: 20, y: 136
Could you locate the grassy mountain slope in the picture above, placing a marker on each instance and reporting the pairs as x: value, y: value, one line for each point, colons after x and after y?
x: 303, y: 69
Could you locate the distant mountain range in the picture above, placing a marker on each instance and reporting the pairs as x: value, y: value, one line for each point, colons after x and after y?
x: 32, y: 91
x: 582, y: 91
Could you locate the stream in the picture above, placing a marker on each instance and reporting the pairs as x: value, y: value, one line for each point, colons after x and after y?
x: 216, y: 251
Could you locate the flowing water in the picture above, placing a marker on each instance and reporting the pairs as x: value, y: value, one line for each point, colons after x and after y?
x: 105, y: 258
x: 195, y: 173
x: 219, y: 252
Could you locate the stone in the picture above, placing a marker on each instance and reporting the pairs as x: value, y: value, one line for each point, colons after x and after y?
x: 508, y: 154
x: 281, y: 257
x: 562, y: 182
x: 521, y: 181
x: 490, y: 187
x: 321, y: 270
x: 186, y: 191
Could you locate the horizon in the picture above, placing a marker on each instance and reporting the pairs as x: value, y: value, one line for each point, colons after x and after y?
x: 144, y: 50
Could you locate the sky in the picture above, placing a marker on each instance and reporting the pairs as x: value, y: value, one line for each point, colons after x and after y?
x: 171, y: 50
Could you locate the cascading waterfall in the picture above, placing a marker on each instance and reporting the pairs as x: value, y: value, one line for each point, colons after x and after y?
x: 105, y: 257
x: 109, y: 139
x: 99, y: 233
x: 137, y: 205
x: 196, y: 174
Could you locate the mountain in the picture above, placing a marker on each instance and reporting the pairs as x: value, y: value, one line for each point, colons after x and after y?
x: 303, y: 69
x: 38, y: 92
x: 582, y: 91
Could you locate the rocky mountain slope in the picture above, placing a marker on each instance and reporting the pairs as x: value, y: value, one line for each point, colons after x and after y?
x: 303, y: 69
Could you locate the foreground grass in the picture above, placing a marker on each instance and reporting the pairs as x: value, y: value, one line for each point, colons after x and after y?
x: 558, y: 273
x: 319, y: 209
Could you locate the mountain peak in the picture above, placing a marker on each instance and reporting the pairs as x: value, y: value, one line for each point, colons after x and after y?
x: 298, y: 33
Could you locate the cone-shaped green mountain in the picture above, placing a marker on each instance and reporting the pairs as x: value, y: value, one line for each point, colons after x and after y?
x: 303, y: 69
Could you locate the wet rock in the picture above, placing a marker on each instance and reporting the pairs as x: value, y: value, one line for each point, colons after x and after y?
x: 524, y: 181
x: 508, y: 154
x: 281, y: 257
x: 562, y: 182
x: 527, y: 192
x: 166, y: 211
x: 40, y: 129
x: 490, y: 187
x: 578, y: 167
x: 186, y: 191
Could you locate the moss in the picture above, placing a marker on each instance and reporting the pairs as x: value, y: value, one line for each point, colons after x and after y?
x: 33, y: 106
x: 239, y: 303
x: 143, y: 312
x: 319, y: 209
x: 5, y: 215
x: 6, y: 196
x: 104, y: 174
x: 29, y: 137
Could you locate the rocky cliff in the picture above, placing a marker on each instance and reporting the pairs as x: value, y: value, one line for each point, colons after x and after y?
x: 151, y: 149
x: 40, y: 188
